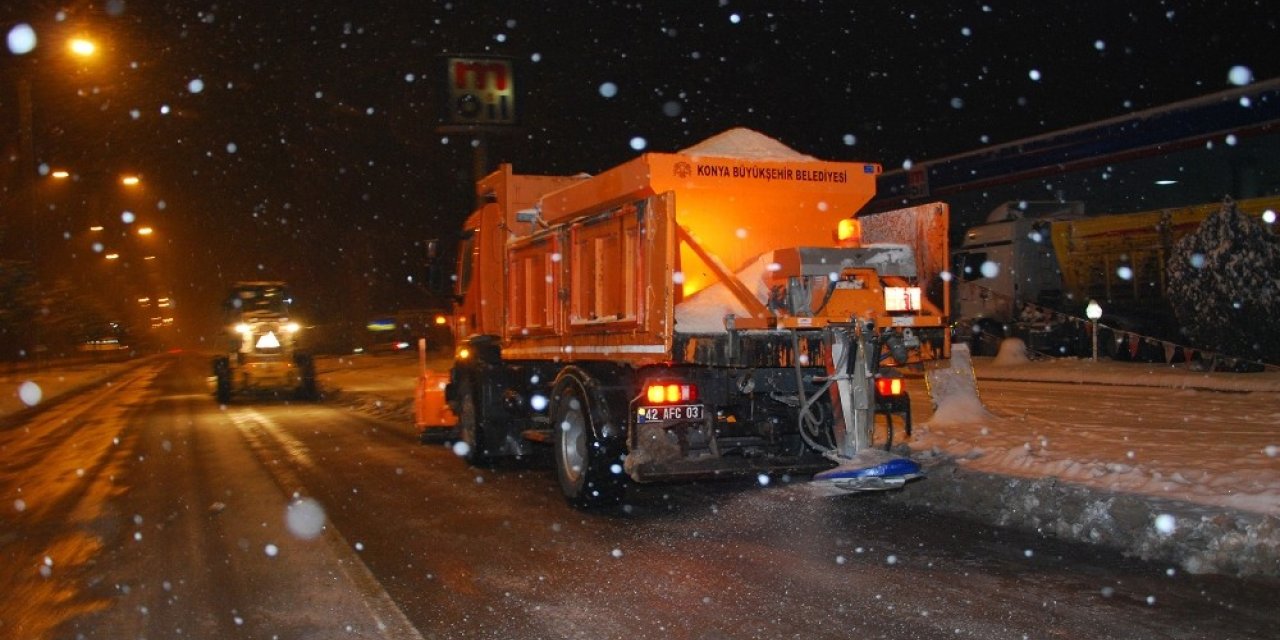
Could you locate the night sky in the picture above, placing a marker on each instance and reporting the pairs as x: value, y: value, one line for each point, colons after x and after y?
x: 306, y: 148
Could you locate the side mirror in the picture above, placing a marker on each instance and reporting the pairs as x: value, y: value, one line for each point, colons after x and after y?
x: 436, y: 272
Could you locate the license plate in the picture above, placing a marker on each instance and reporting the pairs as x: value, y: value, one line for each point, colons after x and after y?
x: 682, y: 412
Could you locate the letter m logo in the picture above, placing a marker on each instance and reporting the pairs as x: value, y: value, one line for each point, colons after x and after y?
x: 481, y: 91
x: 475, y: 75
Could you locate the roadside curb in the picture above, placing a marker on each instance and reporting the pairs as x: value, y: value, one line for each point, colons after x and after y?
x: 1126, y: 374
x: 1208, y: 386
x: 1196, y: 538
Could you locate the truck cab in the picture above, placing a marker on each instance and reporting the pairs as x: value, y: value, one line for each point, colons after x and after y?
x: 1002, y: 265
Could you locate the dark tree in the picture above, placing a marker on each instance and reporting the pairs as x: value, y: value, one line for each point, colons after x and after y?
x: 19, y: 305
x: 1223, y: 286
x: 67, y: 316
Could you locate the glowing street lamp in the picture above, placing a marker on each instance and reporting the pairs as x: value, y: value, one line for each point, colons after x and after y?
x: 60, y: 174
x: 145, y: 231
x: 1094, y: 312
x: 130, y: 181
x: 82, y: 47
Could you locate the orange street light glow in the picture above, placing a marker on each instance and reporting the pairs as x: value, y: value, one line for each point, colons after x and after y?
x: 96, y: 227
x: 60, y: 174
x: 129, y: 181
x: 82, y: 47
x: 145, y: 231
x: 112, y: 256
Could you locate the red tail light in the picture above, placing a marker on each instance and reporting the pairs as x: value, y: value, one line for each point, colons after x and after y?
x: 670, y: 393
x: 889, y: 386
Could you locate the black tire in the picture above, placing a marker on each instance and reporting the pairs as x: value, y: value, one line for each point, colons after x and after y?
x: 307, y: 387
x: 471, y: 426
x: 222, y: 388
x: 438, y: 436
x: 585, y: 464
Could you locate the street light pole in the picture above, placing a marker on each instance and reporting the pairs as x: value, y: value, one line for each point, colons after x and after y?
x: 1094, y: 312
x: 27, y: 173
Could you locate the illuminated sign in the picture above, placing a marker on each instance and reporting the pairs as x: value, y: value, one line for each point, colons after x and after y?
x: 481, y: 91
x: 901, y: 298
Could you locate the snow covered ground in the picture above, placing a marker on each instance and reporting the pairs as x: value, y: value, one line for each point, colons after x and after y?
x: 1206, y: 438
x: 1159, y: 460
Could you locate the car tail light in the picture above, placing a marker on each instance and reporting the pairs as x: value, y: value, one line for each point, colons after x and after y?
x: 670, y: 393
x: 889, y: 387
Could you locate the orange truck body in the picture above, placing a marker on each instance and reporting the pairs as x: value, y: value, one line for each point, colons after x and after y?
x: 601, y: 271
x: 589, y: 285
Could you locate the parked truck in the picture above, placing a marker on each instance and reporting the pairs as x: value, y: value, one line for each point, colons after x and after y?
x: 1032, y: 268
x: 691, y: 314
x: 262, y: 347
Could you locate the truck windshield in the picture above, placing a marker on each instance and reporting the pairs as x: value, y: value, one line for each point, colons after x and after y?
x: 262, y: 300
x: 465, y: 260
x: 969, y: 265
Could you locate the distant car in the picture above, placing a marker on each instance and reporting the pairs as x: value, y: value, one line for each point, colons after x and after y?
x: 400, y: 331
x: 390, y: 347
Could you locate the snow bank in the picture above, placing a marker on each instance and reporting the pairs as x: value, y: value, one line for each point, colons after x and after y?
x: 1184, y: 476
x: 1013, y: 351
x: 1196, y: 538
x: 954, y: 390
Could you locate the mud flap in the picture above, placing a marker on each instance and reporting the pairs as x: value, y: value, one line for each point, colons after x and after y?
x: 869, y: 470
x: 432, y: 415
x: 430, y: 410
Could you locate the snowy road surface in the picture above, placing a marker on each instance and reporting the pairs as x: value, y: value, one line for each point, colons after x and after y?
x: 145, y: 510
x: 1161, y: 461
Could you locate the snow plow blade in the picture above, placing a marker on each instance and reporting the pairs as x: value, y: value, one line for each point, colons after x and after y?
x: 870, y: 470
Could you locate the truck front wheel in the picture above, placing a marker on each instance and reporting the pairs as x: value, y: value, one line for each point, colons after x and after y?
x: 588, y: 471
x: 222, y: 375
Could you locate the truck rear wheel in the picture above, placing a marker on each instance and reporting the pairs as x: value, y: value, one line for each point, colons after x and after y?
x: 470, y: 430
x: 584, y: 462
x: 307, y: 389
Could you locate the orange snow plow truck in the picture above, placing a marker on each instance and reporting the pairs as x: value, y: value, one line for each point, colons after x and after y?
x: 710, y: 312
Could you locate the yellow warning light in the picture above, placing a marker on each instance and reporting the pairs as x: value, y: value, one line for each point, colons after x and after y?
x: 849, y: 232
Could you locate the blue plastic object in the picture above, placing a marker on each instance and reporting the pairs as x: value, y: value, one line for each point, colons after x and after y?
x: 894, y: 467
